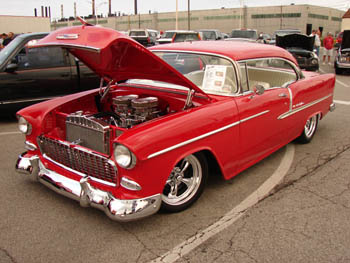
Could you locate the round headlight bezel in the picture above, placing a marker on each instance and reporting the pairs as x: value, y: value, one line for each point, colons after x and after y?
x: 124, y: 157
x: 24, y: 126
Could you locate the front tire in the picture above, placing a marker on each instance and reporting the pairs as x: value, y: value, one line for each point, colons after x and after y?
x: 185, y: 183
x: 309, y: 129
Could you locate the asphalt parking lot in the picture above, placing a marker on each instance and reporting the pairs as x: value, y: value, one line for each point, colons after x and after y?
x: 303, y: 219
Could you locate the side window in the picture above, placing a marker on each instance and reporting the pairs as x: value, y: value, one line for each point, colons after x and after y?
x: 269, y: 73
x: 42, y: 57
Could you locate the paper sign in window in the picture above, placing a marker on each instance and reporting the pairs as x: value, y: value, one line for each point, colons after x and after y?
x: 214, y: 77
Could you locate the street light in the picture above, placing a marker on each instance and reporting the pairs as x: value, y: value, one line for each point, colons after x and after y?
x: 176, y: 20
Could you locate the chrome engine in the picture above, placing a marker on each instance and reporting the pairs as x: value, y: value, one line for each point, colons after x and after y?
x: 94, y: 130
x: 132, y: 110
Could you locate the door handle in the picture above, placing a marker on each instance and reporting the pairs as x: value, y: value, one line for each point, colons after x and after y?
x: 282, y: 95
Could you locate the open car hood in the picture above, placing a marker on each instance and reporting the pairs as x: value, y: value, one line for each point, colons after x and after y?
x: 346, y: 39
x: 114, y: 56
x: 296, y: 40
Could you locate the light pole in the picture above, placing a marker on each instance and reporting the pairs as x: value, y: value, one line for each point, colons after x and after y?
x: 176, y: 20
x: 95, y: 9
x: 189, y: 16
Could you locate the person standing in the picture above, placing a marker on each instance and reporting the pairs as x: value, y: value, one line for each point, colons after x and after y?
x: 9, y: 38
x: 317, y: 42
x: 328, y: 43
x: 2, y: 38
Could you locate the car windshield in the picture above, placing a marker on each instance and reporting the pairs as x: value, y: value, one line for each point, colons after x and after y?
x: 208, y: 35
x: 180, y: 37
x: 168, y: 35
x: 137, y: 33
x: 244, y: 34
x: 212, y: 74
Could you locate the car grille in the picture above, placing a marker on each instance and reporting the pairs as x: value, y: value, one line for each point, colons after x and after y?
x: 78, y: 159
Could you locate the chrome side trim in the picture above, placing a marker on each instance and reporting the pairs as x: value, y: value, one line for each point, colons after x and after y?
x: 30, y: 146
x: 291, y: 112
x: 205, y: 135
x: 77, y: 172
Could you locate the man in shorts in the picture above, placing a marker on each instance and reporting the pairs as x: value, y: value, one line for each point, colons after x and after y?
x: 328, y: 43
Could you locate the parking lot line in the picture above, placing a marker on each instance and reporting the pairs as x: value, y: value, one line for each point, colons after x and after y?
x: 9, y: 133
x: 232, y: 216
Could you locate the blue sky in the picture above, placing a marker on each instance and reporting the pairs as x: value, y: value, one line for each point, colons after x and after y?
x: 26, y: 7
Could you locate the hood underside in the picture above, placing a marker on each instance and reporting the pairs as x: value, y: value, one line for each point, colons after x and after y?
x: 114, y: 56
x: 296, y: 40
x: 346, y: 39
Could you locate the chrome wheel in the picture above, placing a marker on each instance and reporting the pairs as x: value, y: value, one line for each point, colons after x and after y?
x: 185, y: 183
x: 309, y: 129
x: 310, y: 126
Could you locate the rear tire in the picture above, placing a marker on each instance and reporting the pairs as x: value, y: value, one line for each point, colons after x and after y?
x: 309, y: 129
x: 185, y: 183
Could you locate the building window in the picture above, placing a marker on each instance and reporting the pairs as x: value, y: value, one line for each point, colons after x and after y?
x: 277, y: 15
x: 318, y: 16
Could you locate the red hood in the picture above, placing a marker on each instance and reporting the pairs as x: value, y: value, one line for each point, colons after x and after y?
x: 113, y: 55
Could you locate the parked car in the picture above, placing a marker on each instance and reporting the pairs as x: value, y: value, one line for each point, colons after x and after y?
x: 29, y: 75
x: 174, y: 36
x: 264, y: 38
x: 342, y: 59
x: 244, y: 33
x: 146, y: 37
x: 167, y: 37
x: 169, y: 115
x: 210, y: 34
x: 302, y: 48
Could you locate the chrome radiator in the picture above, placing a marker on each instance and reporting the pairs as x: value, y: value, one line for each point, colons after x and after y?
x: 89, y: 132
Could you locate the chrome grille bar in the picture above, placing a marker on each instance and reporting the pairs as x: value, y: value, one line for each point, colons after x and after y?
x: 79, y: 159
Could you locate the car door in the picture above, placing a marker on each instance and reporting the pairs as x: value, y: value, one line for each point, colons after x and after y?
x: 264, y: 99
x: 41, y: 73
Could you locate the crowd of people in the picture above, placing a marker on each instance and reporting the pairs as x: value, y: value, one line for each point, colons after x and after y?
x: 6, y: 39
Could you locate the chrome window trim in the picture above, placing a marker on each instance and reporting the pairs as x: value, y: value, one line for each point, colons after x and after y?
x: 77, y: 172
x: 205, y: 135
x: 295, y: 68
x: 291, y: 112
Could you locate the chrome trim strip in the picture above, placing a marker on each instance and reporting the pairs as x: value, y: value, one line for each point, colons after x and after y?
x: 204, y: 135
x: 28, y: 100
x: 290, y: 99
x: 291, y: 112
x: 97, y: 50
x: 77, y: 172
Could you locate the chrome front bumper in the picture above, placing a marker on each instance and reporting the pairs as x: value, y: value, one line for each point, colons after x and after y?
x: 87, y: 195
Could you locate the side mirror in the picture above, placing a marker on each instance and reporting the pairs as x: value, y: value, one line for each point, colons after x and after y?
x: 12, y: 67
x: 259, y: 89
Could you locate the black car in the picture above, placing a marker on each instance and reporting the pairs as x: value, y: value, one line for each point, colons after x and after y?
x: 29, y: 75
x: 301, y: 46
x: 342, y: 59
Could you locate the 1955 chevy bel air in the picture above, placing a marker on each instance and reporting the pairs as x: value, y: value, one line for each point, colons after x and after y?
x: 166, y: 117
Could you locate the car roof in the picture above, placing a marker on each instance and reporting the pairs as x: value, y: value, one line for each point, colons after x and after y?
x: 232, y: 49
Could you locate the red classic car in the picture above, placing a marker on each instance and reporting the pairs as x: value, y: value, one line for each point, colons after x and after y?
x: 168, y: 116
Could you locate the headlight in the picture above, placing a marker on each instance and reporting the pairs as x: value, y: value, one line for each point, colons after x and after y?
x: 342, y: 59
x: 124, y: 157
x: 314, y: 61
x: 24, y: 126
